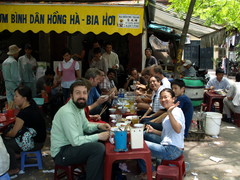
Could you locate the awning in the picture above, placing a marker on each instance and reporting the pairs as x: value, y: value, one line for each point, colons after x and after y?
x: 84, y: 18
x: 163, y: 32
x: 196, y: 27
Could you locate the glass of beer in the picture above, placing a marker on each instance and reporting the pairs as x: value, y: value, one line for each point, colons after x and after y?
x: 135, y: 120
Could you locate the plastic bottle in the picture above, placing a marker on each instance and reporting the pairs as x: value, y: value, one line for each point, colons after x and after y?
x: 121, y: 93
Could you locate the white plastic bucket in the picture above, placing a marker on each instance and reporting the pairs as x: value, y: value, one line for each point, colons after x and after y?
x: 213, y: 123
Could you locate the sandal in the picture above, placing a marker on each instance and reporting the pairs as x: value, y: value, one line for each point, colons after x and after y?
x: 12, y: 172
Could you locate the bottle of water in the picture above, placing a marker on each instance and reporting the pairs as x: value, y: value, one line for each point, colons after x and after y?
x: 121, y: 93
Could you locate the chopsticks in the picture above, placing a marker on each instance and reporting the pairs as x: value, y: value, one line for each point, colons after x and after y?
x: 103, y: 110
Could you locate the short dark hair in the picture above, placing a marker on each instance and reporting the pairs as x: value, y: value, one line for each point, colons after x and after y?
x: 49, y: 71
x: 219, y: 71
x: 133, y: 69
x: 80, y: 82
x: 92, y: 73
x: 168, y: 90
x: 178, y: 82
x: 96, y: 50
x: 157, y: 69
x: 108, y: 43
x: 28, y: 46
x: 66, y: 50
x: 111, y: 70
x: 237, y: 77
x: 146, y: 71
x: 148, y: 49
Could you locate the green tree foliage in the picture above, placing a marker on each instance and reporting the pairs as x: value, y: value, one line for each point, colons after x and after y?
x: 221, y: 12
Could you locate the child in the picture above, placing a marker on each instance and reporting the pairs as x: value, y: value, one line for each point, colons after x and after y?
x: 178, y: 86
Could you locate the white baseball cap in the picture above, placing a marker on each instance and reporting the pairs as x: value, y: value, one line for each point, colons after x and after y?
x: 187, y: 62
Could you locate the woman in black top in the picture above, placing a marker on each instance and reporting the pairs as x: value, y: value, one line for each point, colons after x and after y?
x: 29, y: 116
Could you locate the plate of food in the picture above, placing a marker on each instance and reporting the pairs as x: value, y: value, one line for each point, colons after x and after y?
x: 220, y: 91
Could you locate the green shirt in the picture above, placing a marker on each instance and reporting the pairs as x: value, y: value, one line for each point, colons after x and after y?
x: 10, y: 71
x: 69, y: 127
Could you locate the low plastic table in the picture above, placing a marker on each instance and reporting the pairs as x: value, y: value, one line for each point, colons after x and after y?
x: 111, y: 156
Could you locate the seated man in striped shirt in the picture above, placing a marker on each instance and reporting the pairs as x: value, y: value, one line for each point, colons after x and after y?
x: 108, y: 86
x: 155, y: 108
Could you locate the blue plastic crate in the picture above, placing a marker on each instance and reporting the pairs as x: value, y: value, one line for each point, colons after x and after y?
x: 39, y: 101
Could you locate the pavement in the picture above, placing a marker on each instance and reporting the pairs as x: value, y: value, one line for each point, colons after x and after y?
x: 208, y: 158
x: 225, y: 148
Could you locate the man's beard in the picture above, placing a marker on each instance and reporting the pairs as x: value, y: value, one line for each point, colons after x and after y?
x: 80, y: 105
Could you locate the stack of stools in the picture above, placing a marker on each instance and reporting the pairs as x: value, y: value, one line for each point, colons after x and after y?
x: 236, y: 119
x: 68, y: 171
x: 173, y: 169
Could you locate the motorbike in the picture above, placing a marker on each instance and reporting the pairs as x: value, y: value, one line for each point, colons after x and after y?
x: 232, y: 68
x: 202, y: 74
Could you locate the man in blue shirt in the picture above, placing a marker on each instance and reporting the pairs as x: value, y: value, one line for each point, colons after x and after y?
x: 178, y: 86
x: 95, y: 101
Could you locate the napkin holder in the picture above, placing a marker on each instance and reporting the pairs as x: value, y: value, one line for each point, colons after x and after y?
x: 136, y: 138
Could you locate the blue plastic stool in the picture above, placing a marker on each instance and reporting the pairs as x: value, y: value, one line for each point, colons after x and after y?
x: 38, y: 157
x: 5, y: 177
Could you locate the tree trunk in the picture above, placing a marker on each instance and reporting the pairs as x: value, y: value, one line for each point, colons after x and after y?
x: 183, y: 38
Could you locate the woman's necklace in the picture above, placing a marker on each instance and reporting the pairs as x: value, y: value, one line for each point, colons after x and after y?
x: 25, y: 104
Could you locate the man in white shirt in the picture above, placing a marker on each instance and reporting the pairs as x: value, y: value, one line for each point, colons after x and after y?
x: 156, y: 70
x: 98, y: 61
x: 219, y: 82
x: 27, y: 65
x: 231, y: 103
x: 111, y: 57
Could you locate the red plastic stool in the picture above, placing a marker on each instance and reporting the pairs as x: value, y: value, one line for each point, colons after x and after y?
x: 236, y: 119
x: 179, y: 162
x: 167, y: 172
x: 68, y: 171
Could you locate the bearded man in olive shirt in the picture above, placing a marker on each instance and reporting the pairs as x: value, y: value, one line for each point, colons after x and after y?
x: 72, y: 138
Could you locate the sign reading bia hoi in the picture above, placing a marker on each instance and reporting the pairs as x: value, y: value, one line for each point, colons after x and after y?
x: 71, y: 18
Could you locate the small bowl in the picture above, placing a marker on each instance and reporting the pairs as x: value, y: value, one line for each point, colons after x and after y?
x: 112, y: 116
x: 114, y: 129
x: 123, y: 109
x: 138, y: 125
x: 128, y: 122
x: 132, y: 117
x: 113, y: 121
x: 112, y: 110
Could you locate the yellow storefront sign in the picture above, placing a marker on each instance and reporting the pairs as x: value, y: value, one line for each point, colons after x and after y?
x: 71, y: 18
